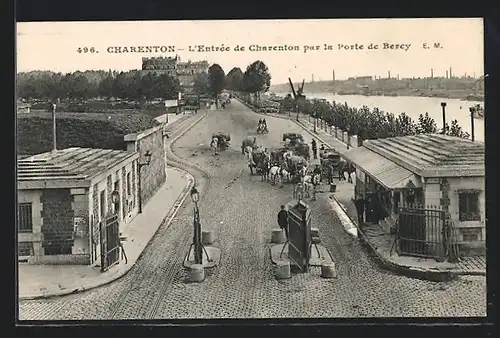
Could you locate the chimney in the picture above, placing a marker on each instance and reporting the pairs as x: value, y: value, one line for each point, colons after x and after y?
x: 398, y: 76
x: 451, y: 74
x: 446, y: 74
x: 432, y: 73
x: 389, y: 74
x: 333, y: 75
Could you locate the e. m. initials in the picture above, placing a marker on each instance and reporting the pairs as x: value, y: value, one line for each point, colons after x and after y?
x: 435, y: 45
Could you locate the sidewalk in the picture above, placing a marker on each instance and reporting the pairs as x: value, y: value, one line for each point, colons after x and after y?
x: 382, y: 243
x: 43, y: 281
x: 378, y: 239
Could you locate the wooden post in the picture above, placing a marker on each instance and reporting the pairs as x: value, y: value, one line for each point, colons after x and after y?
x: 472, y: 110
x: 443, y: 106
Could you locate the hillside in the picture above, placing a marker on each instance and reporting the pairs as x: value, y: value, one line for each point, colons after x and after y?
x: 34, y: 131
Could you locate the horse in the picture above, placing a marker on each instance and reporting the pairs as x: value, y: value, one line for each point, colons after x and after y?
x: 264, y: 169
x: 247, y: 151
x: 215, y: 145
x: 274, y: 174
x: 285, y: 175
x: 310, y: 180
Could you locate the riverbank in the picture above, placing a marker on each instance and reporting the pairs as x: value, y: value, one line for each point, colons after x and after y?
x: 459, y: 94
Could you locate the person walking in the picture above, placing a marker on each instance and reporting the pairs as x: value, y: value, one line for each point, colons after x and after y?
x: 314, y: 149
x: 283, y: 220
x: 360, y: 204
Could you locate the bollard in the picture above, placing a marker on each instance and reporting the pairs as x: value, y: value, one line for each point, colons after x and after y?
x: 314, y: 232
x: 282, y: 270
x: 333, y: 187
x: 278, y: 236
x: 196, y: 273
x: 207, y: 237
x: 328, y: 270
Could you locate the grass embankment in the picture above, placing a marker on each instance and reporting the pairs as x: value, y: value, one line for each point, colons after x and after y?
x: 86, y: 130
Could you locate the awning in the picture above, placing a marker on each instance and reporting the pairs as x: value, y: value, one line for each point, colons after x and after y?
x: 381, y: 169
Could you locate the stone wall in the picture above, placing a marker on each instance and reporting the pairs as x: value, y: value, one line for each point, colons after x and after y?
x: 152, y: 176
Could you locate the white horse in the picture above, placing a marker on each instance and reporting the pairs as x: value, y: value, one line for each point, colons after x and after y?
x: 285, y: 175
x: 274, y: 174
x: 310, y: 181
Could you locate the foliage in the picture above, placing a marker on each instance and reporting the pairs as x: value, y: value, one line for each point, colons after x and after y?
x: 287, y: 104
x: 216, y: 79
x: 234, y: 79
x: 256, y: 79
x: 373, y: 124
x: 201, y: 85
x: 34, y: 131
x: 426, y: 124
x: 455, y: 130
x: 132, y: 85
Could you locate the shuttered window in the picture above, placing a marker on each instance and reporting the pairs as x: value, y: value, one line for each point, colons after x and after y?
x: 468, y: 206
x: 25, y: 217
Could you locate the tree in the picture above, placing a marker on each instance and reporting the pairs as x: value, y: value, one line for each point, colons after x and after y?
x: 106, y: 86
x: 455, y: 130
x: 201, y: 84
x: 234, y: 79
x: 426, y: 124
x: 257, y: 79
x: 216, y: 81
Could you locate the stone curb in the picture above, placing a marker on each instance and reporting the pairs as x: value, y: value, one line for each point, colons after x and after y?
x: 168, y: 218
x: 427, y: 274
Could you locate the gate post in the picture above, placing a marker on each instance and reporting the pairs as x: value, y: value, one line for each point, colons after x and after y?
x: 101, y: 243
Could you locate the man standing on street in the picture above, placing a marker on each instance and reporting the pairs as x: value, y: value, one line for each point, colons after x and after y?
x: 283, y: 220
x: 360, y: 203
x: 314, y: 149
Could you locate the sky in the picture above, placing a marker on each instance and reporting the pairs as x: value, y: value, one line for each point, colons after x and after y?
x: 53, y: 46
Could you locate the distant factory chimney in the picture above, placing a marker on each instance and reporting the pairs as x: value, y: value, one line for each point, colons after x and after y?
x: 398, y: 76
x: 333, y: 75
x: 432, y: 73
x: 389, y: 74
x: 446, y: 74
x: 312, y: 78
x: 451, y: 74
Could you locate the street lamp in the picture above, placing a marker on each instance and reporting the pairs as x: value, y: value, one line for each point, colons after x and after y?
x: 197, y: 242
x: 147, y: 155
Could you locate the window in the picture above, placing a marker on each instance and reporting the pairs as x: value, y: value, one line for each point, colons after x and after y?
x: 102, y: 203
x: 25, y: 249
x: 468, y: 205
x: 25, y: 218
x: 129, y: 188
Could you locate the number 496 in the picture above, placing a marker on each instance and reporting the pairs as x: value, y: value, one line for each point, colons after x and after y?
x: 86, y: 50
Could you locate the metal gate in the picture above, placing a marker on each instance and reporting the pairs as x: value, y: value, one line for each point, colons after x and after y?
x: 421, y: 232
x: 110, y: 242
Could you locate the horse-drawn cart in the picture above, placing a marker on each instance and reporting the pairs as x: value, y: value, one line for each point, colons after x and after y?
x: 223, y: 140
x: 294, y: 164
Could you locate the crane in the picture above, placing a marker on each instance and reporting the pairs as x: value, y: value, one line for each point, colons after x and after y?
x: 297, y: 95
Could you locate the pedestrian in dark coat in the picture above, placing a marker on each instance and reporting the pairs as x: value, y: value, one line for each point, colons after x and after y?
x: 360, y: 204
x: 314, y: 149
x: 283, y: 220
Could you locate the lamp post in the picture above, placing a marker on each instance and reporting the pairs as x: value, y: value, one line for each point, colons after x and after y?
x: 198, y: 246
x: 147, y: 155
x: 443, y: 107
x: 472, y: 115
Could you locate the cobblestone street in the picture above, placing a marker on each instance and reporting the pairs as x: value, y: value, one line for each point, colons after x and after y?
x: 242, y: 211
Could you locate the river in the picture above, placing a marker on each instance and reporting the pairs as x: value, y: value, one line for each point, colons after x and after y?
x: 413, y: 107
